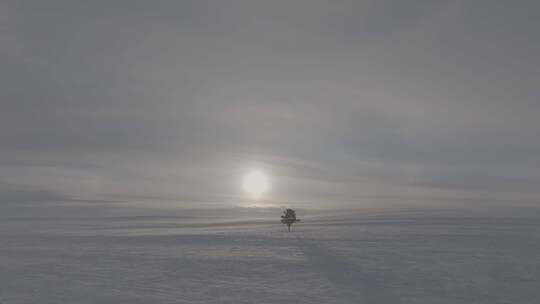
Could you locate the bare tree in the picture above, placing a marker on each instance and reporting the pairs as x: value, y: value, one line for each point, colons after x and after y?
x: 288, y: 218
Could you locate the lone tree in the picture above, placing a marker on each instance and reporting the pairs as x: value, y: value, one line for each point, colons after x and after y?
x: 288, y: 218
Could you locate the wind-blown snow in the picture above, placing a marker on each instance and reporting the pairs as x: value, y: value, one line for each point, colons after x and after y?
x: 100, y: 254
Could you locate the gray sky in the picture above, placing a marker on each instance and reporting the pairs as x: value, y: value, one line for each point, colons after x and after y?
x: 343, y: 103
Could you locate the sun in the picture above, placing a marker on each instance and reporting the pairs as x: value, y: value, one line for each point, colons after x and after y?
x: 255, y: 183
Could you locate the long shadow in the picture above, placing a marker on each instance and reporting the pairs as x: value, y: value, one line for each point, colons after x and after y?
x: 349, y: 280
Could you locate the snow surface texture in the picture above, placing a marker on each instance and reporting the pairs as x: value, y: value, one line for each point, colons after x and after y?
x: 97, y: 254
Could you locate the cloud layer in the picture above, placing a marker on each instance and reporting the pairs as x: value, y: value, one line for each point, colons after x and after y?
x: 344, y: 103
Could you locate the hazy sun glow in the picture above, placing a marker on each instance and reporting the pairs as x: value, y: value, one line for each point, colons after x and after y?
x: 255, y: 183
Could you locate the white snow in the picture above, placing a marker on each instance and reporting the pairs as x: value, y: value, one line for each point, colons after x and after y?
x: 103, y: 254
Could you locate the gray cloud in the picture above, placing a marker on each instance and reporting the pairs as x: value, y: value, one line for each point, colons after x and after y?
x: 337, y: 100
x: 18, y: 194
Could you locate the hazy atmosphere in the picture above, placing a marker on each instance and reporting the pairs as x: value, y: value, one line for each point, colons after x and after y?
x: 342, y: 103
x: 148, y: 148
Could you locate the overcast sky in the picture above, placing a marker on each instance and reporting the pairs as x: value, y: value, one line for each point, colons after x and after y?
x: 343, y: 103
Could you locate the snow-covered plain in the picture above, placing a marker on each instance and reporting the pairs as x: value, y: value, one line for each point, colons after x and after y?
x: 95, y: 253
